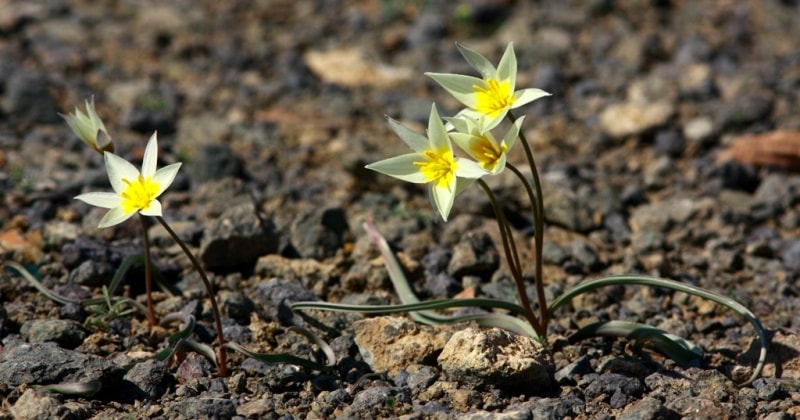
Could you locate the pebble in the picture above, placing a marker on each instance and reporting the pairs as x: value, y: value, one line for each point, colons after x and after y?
x: 33, y: 404
x: 320, y: 232
x: 474, y: 254
x: 47, y: 363
x: 273, y: 297
x: 388, y: 344
x: 149, y: 379
x: 66, y: 333
x: 632, y: 119
x: 617, y: 389
x: 237, y: 238
x: 498, y: 358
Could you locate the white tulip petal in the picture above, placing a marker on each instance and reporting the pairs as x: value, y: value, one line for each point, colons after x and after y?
x: 401, y: 167
x: 443, y: 198
x: 417, y: 142
x: 437, y: 135
x: 115, y: 216
x: 469, y: 169
x: 105, y: 200
x: 507, y: 68
x: 477, y: 61
x: 150, y: 159
x: 119, y: 169
x: 458, y: 85
x: 153, y: 210
x: 526, y: 96
x: 165, y: 176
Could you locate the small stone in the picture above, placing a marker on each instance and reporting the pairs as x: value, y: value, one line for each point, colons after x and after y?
x: 47, y: 363
x: 389, y: 344
x: 196, y: 408
x: 320, y: 232
x: 213, y: 162
x: 618, y: 389
x: 33, y: 404
x: 698, y: 129
x: 66, y: 333
x: 553, y: 253
x: 92, y: 273
x: 670, y: 143
x: 193, y: 132
x: 578, y: 368
x: 563, y: 208
x: 238, y: 237
x: 631, y: 119
x: 272, y: 300
x: 30, y: 99
x: 475, y: 254
x: 494, y: 357
x: 149, y: 378
x: 236, y: 305
x: 585, y: 255
x: 644, y: 409
x: 659, y: 217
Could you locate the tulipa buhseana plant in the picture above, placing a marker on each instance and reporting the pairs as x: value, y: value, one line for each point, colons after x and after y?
x: 137, y: 192
x: 488, y: 100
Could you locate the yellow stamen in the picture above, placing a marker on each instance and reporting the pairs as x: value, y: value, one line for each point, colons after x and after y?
x: 495, y: 98
x: 439, y: 166
x: 487, y: 152
x: 138, y: 194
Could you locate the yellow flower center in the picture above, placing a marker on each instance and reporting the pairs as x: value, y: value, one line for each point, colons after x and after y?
x: 495, y: 98
x: 439, y: 166
x: 138, y: 194
x: 487, y: 152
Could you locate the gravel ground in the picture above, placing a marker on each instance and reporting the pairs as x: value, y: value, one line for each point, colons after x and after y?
x: 670, y: 147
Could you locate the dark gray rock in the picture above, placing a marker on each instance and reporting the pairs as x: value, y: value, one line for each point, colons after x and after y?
x: 194, y: 366
x: 66, y: 333
x: 272, y: 300
x: 213, y: 162
x: 644, y: 409
x: 378, y: 397
x: 236, y: 305
x: 47, y: 363
x: 791, y: 255
x: 237, y: 238
x: 568, y: 373
x: 563, y: 208
x: 30, y: 100
x: 585, y: 255
x: 319, y: 233
x: 474, y: 254
x: 206, y: 408
x: 149, y: 379
x: 92, y: 273
x: 617, y: 389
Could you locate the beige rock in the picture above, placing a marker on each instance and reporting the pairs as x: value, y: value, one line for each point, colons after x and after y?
x: 389, y: 344
x: 349, y: 67
x: 480, y: 357
x: 633, y: 118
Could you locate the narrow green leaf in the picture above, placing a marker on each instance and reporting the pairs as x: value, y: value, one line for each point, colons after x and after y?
x: 674, y: 347
x: 278, y: 358
x: 733, y: 305
x: 83, y: 389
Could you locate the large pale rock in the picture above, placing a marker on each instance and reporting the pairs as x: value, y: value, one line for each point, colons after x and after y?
x: 633, y: 118
x: 389, y: 344
x: 495, y: 357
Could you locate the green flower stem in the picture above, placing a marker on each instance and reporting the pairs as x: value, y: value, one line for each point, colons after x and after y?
x: 148, y: 276
x: 512, y: 256
x: 538, y: 216
x: 223, y: 370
